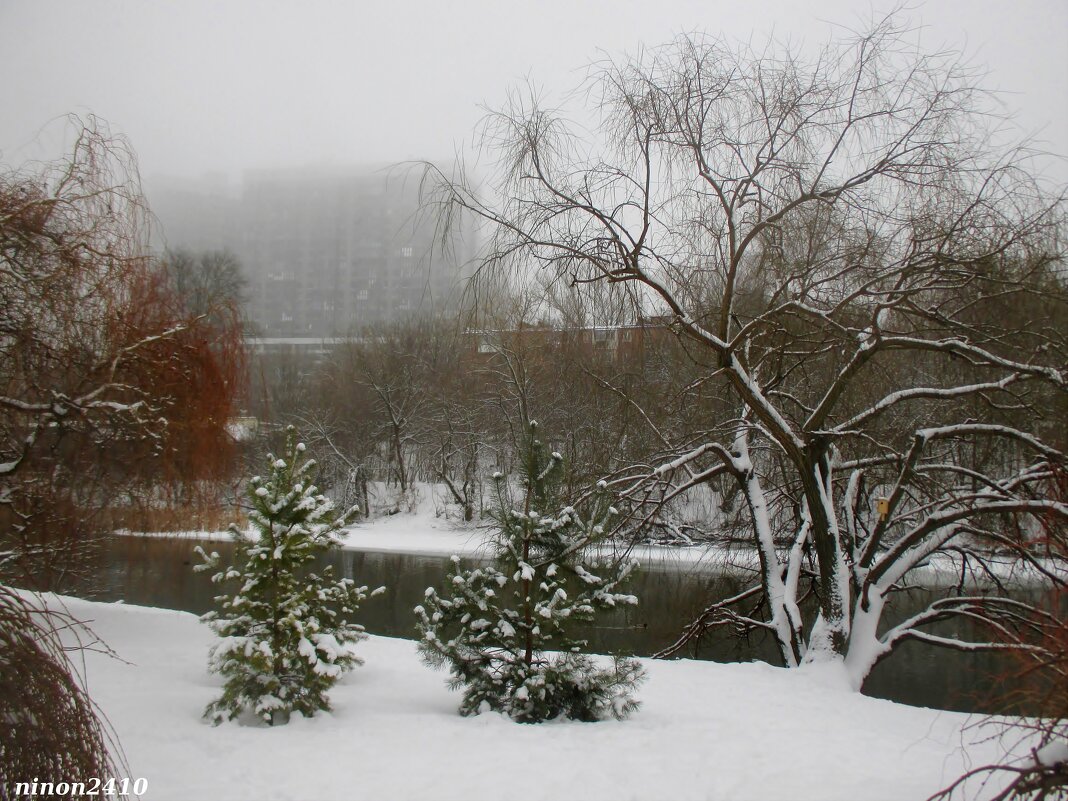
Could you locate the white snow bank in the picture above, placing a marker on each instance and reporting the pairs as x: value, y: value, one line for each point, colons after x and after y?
x: 705, y: 731
x: 427, y: 534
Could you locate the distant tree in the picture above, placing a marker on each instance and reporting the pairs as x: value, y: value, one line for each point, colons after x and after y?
x: 206, y: 282
x: 286, y: 631
x: 502, y: 629
x: 459, y: 449
x: 344, y: 469
x: 390, y: 363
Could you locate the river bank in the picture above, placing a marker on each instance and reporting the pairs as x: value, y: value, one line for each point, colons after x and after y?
x: 426, y: 533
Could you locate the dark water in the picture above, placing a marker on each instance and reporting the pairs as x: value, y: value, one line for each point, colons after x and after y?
x: 158, y: 572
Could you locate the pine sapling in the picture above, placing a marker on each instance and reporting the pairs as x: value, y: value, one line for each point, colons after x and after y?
x: 502, y: 629
x: 286, y: 630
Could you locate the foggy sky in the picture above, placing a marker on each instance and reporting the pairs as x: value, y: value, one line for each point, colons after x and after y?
x: 224, y: 86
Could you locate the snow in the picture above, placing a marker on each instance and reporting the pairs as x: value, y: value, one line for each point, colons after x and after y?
x: 425, y: 534
x: 1052, y: 753
x: 428, y: 531
x: 704, y: 731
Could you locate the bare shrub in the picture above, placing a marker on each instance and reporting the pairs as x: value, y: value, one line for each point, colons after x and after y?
x: 53, y: 731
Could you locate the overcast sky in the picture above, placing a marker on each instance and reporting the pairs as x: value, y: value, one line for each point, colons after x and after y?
x: 203, y: 86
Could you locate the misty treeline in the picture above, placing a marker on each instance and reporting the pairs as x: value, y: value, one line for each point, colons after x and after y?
x: 446, y: 401
x: 441, y: 401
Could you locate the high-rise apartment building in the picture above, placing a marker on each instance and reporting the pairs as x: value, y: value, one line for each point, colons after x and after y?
x: 324, y: 252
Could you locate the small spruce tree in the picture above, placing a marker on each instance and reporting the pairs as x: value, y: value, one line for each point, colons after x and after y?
x: 286, y: 635
x: 502, y: 629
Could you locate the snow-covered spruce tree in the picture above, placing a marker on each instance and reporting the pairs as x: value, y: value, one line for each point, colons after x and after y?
x: 502, y: 629
x: 286, y: 635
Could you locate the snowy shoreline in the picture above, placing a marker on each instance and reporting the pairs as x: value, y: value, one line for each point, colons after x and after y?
x: 423, y: 534
x: 705, y: 731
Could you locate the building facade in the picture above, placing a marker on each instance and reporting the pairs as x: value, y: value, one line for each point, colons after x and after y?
x: 325, y: 252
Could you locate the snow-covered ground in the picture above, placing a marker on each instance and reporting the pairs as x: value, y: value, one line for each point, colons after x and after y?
x: 705, y: 731
x: 428, y: 533
x: 424, y: 532
x: 429, y: 526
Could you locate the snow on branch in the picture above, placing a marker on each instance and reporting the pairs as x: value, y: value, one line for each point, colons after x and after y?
x: 936, y: 529
x: 926, y: 393
x: 968, y: 429
x: 976, y: 355
x: 1005, y: 617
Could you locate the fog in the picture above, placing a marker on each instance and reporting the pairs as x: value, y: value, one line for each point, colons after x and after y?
x: 208, y: 87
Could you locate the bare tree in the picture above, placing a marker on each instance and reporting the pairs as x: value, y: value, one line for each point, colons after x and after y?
x: 382, y: 377
x: 833, y: 232
x: 206, y: 283
x: 100, y: 373
x: 103, y: 378
x: 54, y: 730
x: 456, y: 422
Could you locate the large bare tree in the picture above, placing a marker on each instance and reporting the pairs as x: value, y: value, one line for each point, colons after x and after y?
x: 101, y: 372
x: 878, y: 292
x: 105, y: 380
